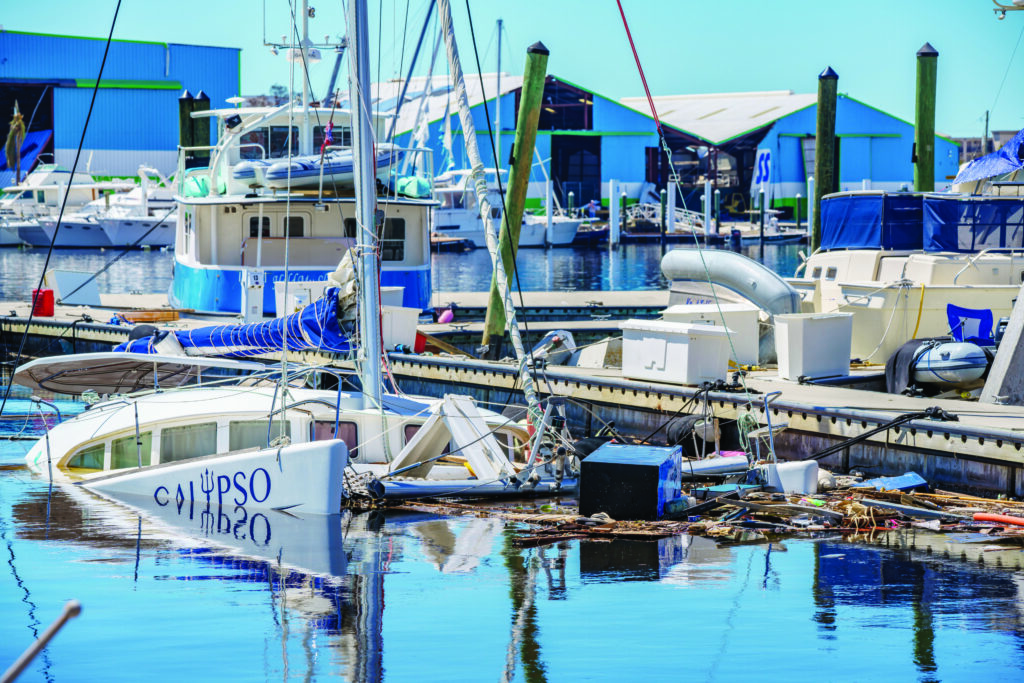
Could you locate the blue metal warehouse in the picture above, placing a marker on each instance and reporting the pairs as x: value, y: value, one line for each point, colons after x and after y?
x: 741, y: 141
x: 135, y: 119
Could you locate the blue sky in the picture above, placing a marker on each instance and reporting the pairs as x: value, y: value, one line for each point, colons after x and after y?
x: 685, y: 46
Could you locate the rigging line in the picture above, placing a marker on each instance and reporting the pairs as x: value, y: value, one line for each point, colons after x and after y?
x: 124, y: 252
x: 63, y: 204
x: 1007, y: 72
x: 497, y: 168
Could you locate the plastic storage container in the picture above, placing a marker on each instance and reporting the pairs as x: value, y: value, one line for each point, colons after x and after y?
x: 813, y: 344
x: 740, y: 319
x: 791, y: 477
x: 398, y: 326
x: 675, y: 353
x: 42, y: 303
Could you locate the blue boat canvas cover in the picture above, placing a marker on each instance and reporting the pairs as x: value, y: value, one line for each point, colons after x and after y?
x: 315, y: 327
x: 878, y: 220
x: 1004, y: 160
x: 968, y: 224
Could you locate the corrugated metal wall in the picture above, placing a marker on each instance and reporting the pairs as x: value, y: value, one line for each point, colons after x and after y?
x: 130, y: 126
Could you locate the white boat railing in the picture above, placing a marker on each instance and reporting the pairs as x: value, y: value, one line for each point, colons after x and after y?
x: 652, y: 212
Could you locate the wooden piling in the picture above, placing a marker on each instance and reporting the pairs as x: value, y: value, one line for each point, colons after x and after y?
x: 824, y: 147
x: 201, y: 126
x: 185, y: 104
x: 924, y: 119
x: 518, y: 179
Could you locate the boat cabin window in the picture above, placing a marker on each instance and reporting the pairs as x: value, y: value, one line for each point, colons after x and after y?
x: 446, y: 227
x: 495, y: 212
x: 254, y: 226
x: 244, y: 434
x: 392, y: 243
x: 273, y: 141
x: 410, y: 431
x: 40, y: 197
x: 188, y: 441
x: 124, y: 452
x: 816, y: 273
x: 90, y: 458
x: 830, y: 274
x: 342, y: 137
x: 347, y: 432
x: 280, y: 139
x: 293, y: 226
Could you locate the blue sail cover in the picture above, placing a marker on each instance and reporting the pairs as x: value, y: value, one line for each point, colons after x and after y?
x: 871, y: 221
x: 1004, y: 160
x: 973, y: 223
x: 315, y: 327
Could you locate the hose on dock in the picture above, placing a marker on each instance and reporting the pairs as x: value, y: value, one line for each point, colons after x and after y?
x: 933, y: 413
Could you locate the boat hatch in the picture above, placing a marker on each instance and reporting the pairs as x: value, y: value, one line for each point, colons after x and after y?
x: 121, y: 372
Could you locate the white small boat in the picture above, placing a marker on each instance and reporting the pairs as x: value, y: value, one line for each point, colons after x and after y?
x: 308, y: 171
x: 956, y: 364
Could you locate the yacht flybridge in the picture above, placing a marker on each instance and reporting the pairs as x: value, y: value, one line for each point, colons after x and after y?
x: 237, y: 219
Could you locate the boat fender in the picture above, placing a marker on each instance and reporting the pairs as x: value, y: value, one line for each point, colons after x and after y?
x: 142, y: 331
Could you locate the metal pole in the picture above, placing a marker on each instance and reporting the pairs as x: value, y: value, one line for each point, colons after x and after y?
x: 664, y: 211
x: 72, y: 608
x: 924, y: 120
x: 497, y: 108
x: 673, y: 191
x: 824, y: 147
x: 548, y: 204
x: 811, y: 209
x: 796, y: 210
x: 718, y: 211
x: 138, y: 439
x: 366, y: 204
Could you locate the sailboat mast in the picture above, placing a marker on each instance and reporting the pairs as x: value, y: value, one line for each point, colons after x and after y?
x: 305, y: 136
x: 497, y: 110
x: 366, y: 203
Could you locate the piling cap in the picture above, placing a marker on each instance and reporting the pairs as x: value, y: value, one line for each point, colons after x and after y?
x: 201, y: 96
x: 186, y: 95
x: 828, y: 74
x: 927, y: 51
x: 538, y: 49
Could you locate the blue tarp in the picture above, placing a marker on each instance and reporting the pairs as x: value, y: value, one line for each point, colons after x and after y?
x: 315, y: 327
x: 971, y: 224
x: 33, y: 144
x: 1004, y: 160
x: 871, y: 221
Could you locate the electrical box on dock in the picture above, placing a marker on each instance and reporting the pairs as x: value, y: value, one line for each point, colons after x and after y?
x: 631, y: 482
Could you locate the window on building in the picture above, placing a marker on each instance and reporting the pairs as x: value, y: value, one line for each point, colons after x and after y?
x: 90, y: 458
x: 125, y: 452
x: 188, y: 441
x: 254, y: 226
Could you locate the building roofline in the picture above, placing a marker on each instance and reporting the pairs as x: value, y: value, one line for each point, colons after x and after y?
x: 116, y: 40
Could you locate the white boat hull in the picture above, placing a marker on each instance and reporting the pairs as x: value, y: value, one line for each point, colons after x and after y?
x: 126, y: 232
x: 304, y: 477
x: 74, y: 232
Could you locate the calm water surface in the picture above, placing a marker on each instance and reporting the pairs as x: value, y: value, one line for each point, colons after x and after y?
x: 634, y: 266
x: 194, y: 593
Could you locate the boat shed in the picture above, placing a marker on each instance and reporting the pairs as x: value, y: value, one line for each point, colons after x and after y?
x: 765, y: 140
x: 584, y: 138
x: 135, y: 117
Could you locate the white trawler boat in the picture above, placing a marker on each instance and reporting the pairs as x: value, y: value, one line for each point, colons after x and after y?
x: 458, y: 214
x: 270, y: 439
x: 38, y: 198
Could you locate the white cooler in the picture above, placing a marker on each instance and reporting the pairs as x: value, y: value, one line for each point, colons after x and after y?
x: 674, y: 353
x: 813, y: 344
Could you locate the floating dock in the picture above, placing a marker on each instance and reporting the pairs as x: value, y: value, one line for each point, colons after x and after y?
x: 982, y: 451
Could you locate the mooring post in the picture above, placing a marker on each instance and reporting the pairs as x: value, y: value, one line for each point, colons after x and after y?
x: 518, y: 179
x: 670, y: 206
x: 201, y: 125
x: 613, y: 213
x: 824, y: 147
x: 924, y: 119
x: 185, y: 104
x: 549, y: 208
x: 664, y: 211
x: 796, y: 210
x: 718, y: 211
x: 707, y: 208
x: 760, y: 236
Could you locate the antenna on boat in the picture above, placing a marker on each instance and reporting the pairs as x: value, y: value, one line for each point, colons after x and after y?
x: 364, y: 176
